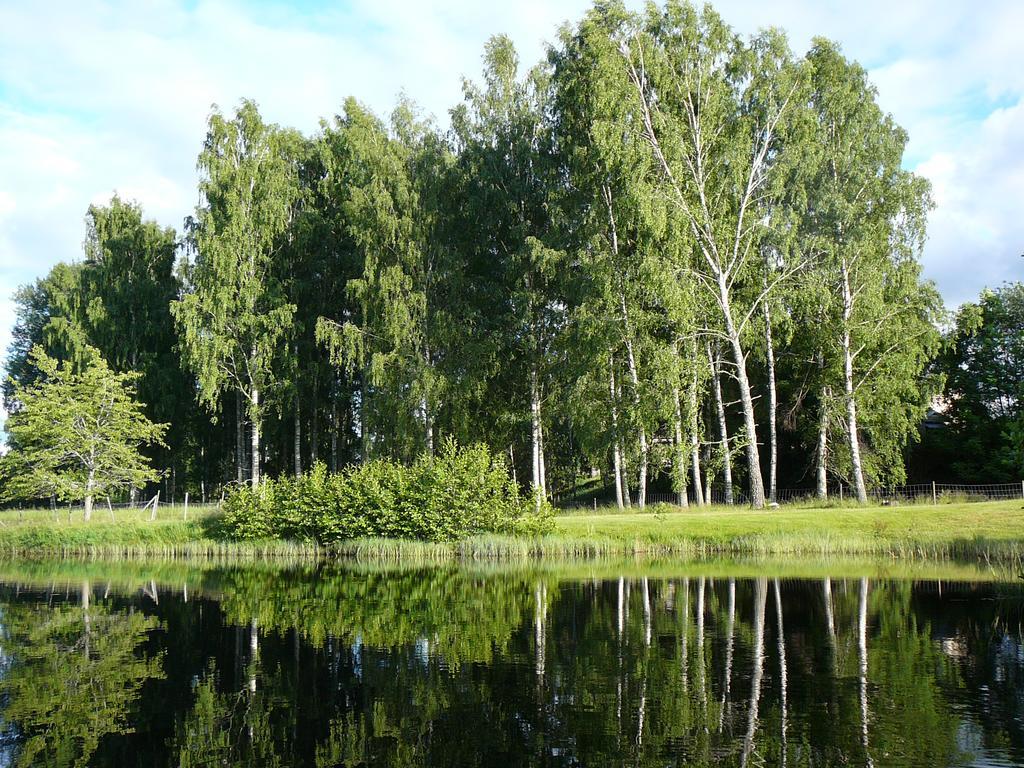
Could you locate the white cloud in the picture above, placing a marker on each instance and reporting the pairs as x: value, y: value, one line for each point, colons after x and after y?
x: 976, y: 232
x: 105, y: 95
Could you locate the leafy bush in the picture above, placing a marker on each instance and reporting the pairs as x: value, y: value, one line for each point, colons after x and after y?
x: 457, y: 493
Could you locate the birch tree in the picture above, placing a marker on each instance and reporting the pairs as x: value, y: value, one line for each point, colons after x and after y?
x: 715, y: 112
x: 234, y: 313
x: 506, y: 163
x: 868, y: 215
x: 389, y: 338
x: 628, y: 249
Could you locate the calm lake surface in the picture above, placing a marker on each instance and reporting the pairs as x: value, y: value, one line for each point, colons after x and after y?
x: 133, y: 665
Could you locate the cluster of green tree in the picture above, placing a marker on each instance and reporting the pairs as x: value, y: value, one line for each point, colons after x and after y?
x: 665, y: 255
x: 445, y: 497
x: 979, y: 435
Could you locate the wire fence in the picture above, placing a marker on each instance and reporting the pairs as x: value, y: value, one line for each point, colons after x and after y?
x: 934, y: 493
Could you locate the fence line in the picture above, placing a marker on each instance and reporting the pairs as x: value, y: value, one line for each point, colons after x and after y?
x: 934, y: 492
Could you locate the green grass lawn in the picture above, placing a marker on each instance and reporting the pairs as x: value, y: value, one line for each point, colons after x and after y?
x: 997, y: 521
x: 990, y: 531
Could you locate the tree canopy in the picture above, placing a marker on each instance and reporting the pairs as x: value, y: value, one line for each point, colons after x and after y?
x: 665, y: 258
x: 77, y: 435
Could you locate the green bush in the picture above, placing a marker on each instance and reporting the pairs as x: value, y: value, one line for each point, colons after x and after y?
x: 459, y: 492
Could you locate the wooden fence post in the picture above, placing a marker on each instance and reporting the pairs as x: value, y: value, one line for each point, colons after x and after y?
x: 156, y: 503
x: 186, y: 505
x: 935, y: 499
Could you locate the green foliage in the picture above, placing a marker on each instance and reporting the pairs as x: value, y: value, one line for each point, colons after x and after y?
x: 982, y: 438
x: 458, y: 493
x: 74, y: 676
x: 544, y: 278
x: 77, y: 435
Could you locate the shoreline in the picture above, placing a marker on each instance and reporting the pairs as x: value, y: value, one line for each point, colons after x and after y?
x: 991, y: 532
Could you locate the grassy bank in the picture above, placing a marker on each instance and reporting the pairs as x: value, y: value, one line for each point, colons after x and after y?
x: 988, y: 532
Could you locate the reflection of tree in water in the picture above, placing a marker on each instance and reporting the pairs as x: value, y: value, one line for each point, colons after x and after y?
x: 74, y: 675
x: 443, y: 667
x: 451, y: 613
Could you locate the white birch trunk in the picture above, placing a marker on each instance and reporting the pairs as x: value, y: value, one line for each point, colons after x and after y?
x: 680, y: 450
x: 90, y: 484
x: 698, y: 487
x: 298, y: 438
x: 535, y: 416
x: 428, y: 427
x: 616, y: 448
x: 428, y: 416
x: 239, y: 440
x: 822, y: 450
x: 773, y: 445
x: 255, y: 399
x: 851, y: 402
x: 642, y: 432
x: 746, y: 399
x: 723, y: 427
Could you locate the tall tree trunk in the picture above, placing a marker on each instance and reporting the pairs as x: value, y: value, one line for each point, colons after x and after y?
x: 298, y: 438
x: 535, y: 437
x: 90, y: 484
x: 679, y: 470
x: 630, y: 356
x: 428, y: 427
x: 239, y: 440
x: 634, y: 376
x: 822, y: 450
x: 616, y: 447
x: 746, y: 398
x: 773, y: 444
x: 428, y: 416
x: 851, y: 402
x: 723, y: 427
x: 698, y: 487
x: 255, y: 438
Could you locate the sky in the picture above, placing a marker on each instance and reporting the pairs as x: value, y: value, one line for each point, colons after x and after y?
x: 103, y: 97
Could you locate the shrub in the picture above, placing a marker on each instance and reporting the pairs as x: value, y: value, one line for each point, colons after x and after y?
x: 459, y: 492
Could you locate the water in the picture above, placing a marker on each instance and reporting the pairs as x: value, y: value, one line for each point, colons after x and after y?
x: 122, y: 665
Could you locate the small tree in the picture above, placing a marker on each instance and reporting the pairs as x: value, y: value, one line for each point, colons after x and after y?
x: 77, y: 435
